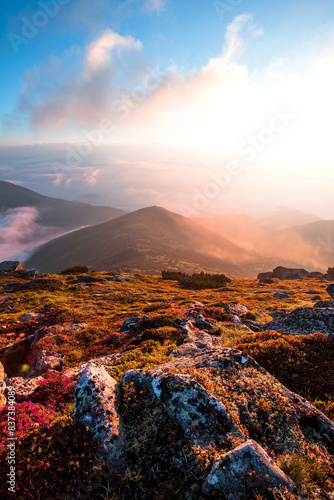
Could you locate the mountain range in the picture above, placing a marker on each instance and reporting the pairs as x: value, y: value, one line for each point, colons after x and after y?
x: 54, y: 212
x: 150, y: 239
x: 153, y: 238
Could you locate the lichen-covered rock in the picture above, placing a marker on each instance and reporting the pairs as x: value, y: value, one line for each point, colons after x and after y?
x: 198, y: 320
x: 305, y: 320
x: 77, y: 326
x: 200, y: 338
x: 24, y: 388
x: 48, y: 360
x: 330, y: 290
x: 237, y: 309
x: 324, y: 304
x: 32, y: 317
x: 282, y: 295
x: 96, y: 407
x: 235, y: 474
x: 200, y: 415
x: 131, y: 324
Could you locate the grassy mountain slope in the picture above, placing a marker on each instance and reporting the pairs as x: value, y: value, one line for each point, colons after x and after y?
x: 149, y: 239
x: 53, y: 211
x: 55, y: 457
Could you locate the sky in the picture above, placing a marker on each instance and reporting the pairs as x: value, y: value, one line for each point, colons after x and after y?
x: 202, y: 106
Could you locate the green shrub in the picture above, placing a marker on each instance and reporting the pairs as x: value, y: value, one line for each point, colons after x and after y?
x: 305, y: 473
x: 197, y: 281
x: 75, y: 270
x: 330, y: 272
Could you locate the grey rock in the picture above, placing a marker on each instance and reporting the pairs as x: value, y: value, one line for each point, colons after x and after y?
x: 24, y: 388
x: 254, y: 326
x: 324, y: 304
x: 281, y: 295
x: 48, y: 360
x: 199, y: 320
x: 77, y: 326
x: 131, y: 324
x: 200, y: 415
x: 305, y: 320
x: 330, y: 290
x: 38, y: 334
x: 231, y: 474
x: 32, y: 317
x: 285, y: 273
x: 96, y: 407
x: 236, y: 309
x: 197, y: 305
x: 12, y: 265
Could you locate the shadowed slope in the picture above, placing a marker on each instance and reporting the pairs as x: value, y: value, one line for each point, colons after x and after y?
x: 149, y: 239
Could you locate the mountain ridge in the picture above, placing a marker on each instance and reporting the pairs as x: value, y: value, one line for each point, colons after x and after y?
x: 150, y: 239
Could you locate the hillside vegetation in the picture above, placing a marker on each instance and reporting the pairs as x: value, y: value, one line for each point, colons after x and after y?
x: 134, y: 322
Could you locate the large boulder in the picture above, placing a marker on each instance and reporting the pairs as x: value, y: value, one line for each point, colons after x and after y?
x: 96, y: 407
x: 304, y: 320
x: 200, y: 415
x: 330, y: 290
x: 285, y: 273
x: 48, y: 360
x: 219, y: 398
x: 236, y: 473
x: 11, y: 265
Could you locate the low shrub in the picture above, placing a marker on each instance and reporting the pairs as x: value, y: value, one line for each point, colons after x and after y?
x: 75, y: 270
x: 197, y: 281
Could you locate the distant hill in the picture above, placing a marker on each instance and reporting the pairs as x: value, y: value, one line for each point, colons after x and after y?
x: 289, y: 218
x: 150, y: 239
x: 320, y: 235
x: 53, y: 211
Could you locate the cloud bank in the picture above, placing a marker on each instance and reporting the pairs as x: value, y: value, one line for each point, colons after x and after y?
x: 19, y: 232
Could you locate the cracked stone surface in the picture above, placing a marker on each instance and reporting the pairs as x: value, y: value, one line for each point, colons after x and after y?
x: 232, y: 474
x: 96, y: 407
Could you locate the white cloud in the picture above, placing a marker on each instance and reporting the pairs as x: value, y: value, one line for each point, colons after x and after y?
x: 19, y: 231
x: 98, y: 53
x: 234, y: 40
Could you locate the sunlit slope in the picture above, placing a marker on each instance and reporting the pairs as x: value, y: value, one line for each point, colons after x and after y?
x: 150, y: 239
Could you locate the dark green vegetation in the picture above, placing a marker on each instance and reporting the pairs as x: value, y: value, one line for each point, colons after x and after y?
x: 54, y: 457
x: 197, y: 281
x: 75, y: 269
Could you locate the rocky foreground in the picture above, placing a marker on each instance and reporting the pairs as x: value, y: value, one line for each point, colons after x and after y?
x: 130, y: 387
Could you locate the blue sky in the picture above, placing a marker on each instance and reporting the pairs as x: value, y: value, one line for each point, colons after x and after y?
x: 188, y: 87
x: 172, y: 32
